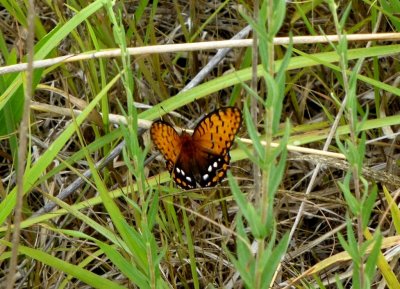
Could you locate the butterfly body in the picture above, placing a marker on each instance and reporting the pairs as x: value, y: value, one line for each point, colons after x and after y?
x: 202, y: 158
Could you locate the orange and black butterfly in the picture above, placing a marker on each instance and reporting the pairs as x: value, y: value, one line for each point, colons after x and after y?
x: 202, y: 158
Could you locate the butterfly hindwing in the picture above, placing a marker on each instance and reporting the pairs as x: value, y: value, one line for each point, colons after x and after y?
x: 183, y: 176
x: 215, y: 171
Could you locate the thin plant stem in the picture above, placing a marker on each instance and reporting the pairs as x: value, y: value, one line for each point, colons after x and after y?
x: 22, y: 148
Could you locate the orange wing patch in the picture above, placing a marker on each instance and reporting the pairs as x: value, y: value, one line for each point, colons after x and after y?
x: 216, y: 132
x: 167, y: 141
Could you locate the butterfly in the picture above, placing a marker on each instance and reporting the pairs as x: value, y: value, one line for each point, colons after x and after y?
x: 203, y: 157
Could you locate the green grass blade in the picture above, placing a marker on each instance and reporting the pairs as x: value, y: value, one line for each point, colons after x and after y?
x: 85, y: 276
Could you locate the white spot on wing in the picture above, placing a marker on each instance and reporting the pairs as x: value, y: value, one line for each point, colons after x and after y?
x: 215, y: 165
x: 209, y: 169
x: 205, y: 177
x: 189, y: 179
x: 178, y: 170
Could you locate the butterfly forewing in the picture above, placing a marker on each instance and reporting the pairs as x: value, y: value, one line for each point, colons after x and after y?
x: 213, y: 137
x: 167, y: 141
x: 216, y: 132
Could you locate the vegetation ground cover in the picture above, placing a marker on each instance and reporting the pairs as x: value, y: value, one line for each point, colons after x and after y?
x: 311, y: 199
